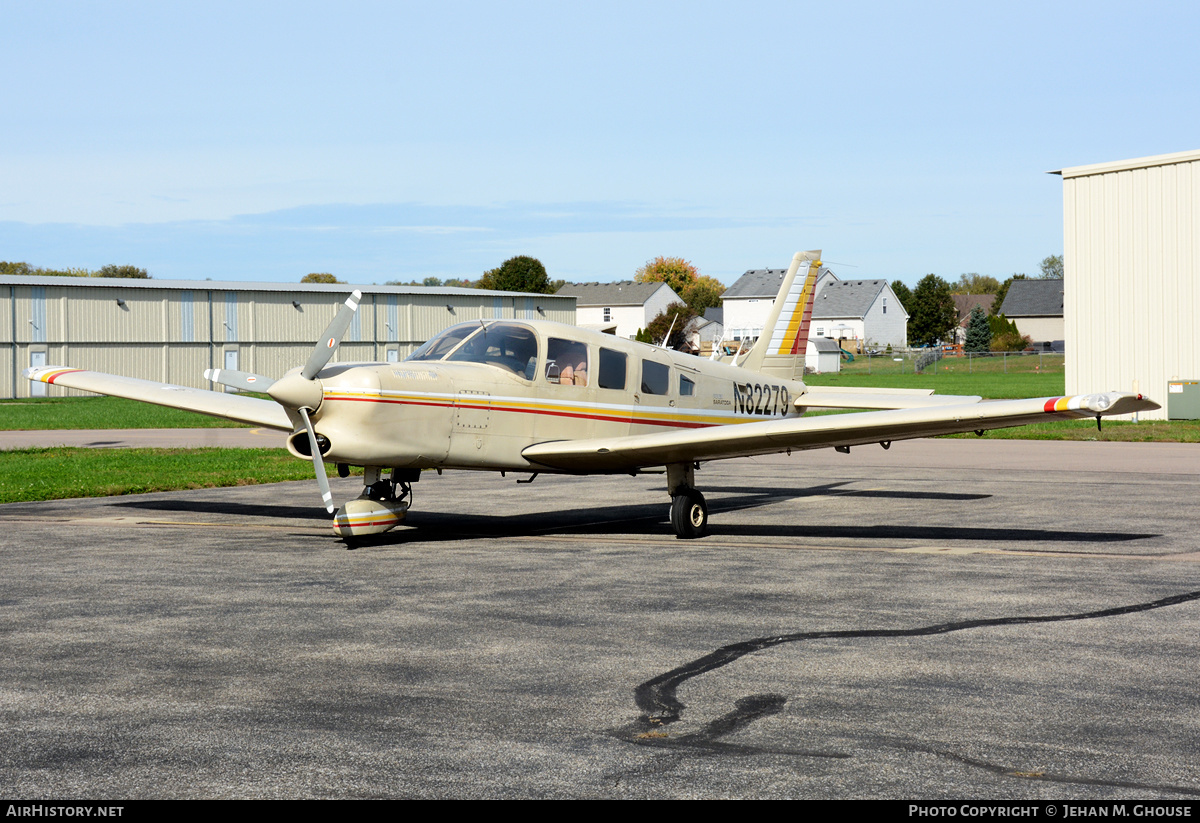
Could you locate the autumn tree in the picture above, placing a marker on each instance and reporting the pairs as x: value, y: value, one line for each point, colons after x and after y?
x: 705, y: 293
x: 674, y: 271
x: 319, y: 277
x: 932, y: 314
x: 521, y: 273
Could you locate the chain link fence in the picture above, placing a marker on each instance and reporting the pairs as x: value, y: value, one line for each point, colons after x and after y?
x: 937, y: 361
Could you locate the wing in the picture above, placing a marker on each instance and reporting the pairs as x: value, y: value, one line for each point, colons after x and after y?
x: 626, y: 453
x: 847, y: 397
x: 218, y: 404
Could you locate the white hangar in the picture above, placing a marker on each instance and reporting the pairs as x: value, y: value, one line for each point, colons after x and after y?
x: 1131, y: 255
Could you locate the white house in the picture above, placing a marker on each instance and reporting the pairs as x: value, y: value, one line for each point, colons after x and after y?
x: 631, y: 306
x: 864, y: 313
x: 747, y: 302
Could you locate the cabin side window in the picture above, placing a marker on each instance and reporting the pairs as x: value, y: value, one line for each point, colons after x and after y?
x: 566, y: 362
x: 612, y: 369
x: 687, y: 386
x: 656, y: 378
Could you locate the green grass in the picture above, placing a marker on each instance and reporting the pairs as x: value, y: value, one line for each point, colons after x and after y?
x: 100, y: 413
x: 57, y: 473
x: 994, y: 377
x: 987, y: 384
x: 1124, y: 431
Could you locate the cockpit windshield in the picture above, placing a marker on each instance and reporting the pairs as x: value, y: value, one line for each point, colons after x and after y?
x: 438, y: 346
x: 508, y: 346
x: 504, y: 345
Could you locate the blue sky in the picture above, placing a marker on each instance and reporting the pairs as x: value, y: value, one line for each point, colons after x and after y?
x: 380, y: 141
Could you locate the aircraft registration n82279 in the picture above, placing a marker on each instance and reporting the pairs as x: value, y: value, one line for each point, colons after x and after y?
x: 537, y: 396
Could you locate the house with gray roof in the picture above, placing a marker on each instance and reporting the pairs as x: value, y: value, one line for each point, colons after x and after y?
x: 1036, y: 306
x: 630, y: 306
x: 747, y: 302
x: 862, y: 314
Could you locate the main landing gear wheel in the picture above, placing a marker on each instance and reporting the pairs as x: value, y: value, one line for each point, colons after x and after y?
x: 689, y: 514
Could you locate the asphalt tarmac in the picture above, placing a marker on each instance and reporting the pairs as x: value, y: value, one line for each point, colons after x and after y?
x: 946, y: 619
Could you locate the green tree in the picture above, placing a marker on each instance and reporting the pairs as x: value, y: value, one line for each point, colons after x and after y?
x: 903, y: 294
x: 703, y: 294
x: 122, y: 271
x: 932, y: 315
x: 1052, y: 267
x: 520, y: 273
x: 15, y: 268
x: 674, y: 271
x: 675, y: 318
x: 975, y: 284
x: 979, y: 332
x: 319, y: 277
x: 1005, y: 335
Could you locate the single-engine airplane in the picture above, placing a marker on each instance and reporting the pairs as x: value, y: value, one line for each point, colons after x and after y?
x: 537, y: 396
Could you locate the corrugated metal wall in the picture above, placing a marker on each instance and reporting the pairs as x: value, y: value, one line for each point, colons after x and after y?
x: 174, y: 334
x: 1131, y: 252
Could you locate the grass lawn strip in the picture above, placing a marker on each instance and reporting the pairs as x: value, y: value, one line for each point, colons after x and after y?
x: 64, y: 472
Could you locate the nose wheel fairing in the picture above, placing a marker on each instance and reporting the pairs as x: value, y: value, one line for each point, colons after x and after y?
x: 364, y: 516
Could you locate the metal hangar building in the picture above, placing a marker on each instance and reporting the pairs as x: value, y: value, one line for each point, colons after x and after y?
x: 1131, y: 256
x: 172, y: 330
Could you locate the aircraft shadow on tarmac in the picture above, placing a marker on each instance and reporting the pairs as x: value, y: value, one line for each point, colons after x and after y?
x: 229, y: 507
x: 434, y: 527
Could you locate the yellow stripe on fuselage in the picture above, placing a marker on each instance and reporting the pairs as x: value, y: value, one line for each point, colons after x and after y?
x: 682, y: 418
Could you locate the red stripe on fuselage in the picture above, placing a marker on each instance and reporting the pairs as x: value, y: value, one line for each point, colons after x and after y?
x: 678, y: 424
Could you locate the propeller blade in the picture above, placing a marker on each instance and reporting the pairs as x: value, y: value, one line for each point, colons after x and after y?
x: 239, y: 379
x: 333, y: 336
x: 318, y: 463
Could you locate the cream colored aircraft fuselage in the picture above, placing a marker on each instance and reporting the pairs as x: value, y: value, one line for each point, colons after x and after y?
x: 506, y: 386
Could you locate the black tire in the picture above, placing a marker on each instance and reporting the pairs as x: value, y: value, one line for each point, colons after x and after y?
x: 689, y: 515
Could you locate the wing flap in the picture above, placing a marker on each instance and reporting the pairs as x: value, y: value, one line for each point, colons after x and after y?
x: 237, y: 407
x: 800, y: 433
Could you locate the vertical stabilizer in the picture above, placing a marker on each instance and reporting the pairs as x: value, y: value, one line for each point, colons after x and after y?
x: 786, y: 331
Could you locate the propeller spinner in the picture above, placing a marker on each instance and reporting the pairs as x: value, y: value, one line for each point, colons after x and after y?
x: 301, y: 392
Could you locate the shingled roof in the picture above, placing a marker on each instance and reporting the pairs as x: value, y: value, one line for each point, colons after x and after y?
x: 846, y: 298
x: 1033, y: 298
x: 760, y: 283
x: 621, y: 293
